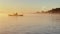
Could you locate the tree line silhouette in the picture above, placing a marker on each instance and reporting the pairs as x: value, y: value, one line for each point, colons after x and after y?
x: 56, y: 10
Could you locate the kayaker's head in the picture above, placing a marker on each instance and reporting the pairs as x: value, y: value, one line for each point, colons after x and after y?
x: 16, y: 13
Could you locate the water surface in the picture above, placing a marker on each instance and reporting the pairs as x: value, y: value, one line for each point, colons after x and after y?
x: 30, y: 24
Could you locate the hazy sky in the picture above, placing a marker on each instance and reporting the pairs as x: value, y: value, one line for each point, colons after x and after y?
x: 27, y: 5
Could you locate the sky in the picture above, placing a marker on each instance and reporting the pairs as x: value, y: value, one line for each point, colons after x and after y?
x: 27, y: 6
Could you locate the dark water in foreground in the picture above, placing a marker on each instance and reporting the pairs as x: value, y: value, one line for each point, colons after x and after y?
x: 30, y: 24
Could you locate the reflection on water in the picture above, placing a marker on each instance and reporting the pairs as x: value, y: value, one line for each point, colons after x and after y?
x: 30, y: 24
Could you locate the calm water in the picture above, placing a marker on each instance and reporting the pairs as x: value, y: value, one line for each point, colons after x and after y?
x: 30, y: 24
